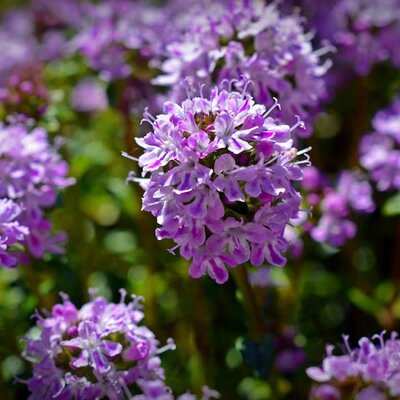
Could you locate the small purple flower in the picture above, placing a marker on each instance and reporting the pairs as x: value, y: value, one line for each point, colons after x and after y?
x: 289, y: 356
x: 380, y: 150
x: 97, y: 351
x: 325, y: 392
x: 31, y: 174
x: 89, y: 96
x: 333, y: 207
x: 220, y: 184
x: 368, y: 371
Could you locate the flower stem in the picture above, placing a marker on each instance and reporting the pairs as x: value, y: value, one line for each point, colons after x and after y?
x: 256, y: 322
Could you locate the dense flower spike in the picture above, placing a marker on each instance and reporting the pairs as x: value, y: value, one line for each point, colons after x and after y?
x: 98, y: 351
x: 364, y: 32
x: 248, y: 40
x: 380, y: 150
x: 31, y: 173
x: 368, y: 372
x: 221, y: 181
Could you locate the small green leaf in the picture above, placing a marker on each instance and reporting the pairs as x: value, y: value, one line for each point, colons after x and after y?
x: 392, y: 206
x: 364, y: 302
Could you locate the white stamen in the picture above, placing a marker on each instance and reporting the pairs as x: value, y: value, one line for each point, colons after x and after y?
x: 306, y: 150
x: 298, y: 124
x: 248, y: 82
x: 347, y: 345
x: 327, y: 48
x: 276, y: 105
x: 201, y: 87
x: 126, y: 155
x: 172, y: 249
x: 169, y: 346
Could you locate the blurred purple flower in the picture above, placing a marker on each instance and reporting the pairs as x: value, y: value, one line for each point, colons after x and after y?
x: 352, y: 194
x: 114, y: 34
x: 380, y: 150
x: 89, y: 96
x: 289, y: 356
x: 31, y: 173
x: 17, y: 45
x: 364, y: 32
x: 24, y: 91
x: 247, y: 40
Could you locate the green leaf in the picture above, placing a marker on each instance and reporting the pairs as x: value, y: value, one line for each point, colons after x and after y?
x: 392, y: 206
x: 364, y: 302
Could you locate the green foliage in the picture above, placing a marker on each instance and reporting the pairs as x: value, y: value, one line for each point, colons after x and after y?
x: 392, y: 206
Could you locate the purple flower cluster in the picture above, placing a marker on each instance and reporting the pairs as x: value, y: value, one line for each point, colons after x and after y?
x: 31, y: 173
x: 16, y: 42
x: 352, y: 193
x: 221, y: 181
x: 247, y: 40
x: 53, y: 21
x: 11, y: 231
x: 116, y: 35
x: 369, y: 372
x: 365, y: 32
x: 380, y: 150
x: 98, y: 351
x: 289, y: 356
x: 24, y: 91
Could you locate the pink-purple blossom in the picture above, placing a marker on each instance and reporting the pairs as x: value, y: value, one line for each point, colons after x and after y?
x: 365, y: 32
x: 333, y: 206
x: 17, y: 44
x: 24, y: 91
x: 89, y: 96
x: 31, y: 174
x: 219, y: 175
x: 117, y: 37
x: 329, y: 208
x: 369, y: 371
x: 380, y: 150
x: 101, y: 350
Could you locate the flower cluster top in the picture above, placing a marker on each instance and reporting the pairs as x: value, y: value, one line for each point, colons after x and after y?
x: 31, y: 173
x: 221, y: 181
x: 370, y: 371
x: 98, y: 351
x: 248, y: 40
x: 380, y: 150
